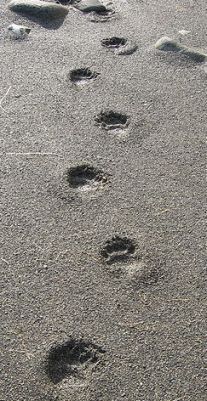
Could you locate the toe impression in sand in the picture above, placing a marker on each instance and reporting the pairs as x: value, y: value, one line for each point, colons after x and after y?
x: 37, y: 8
x: 168, y: 44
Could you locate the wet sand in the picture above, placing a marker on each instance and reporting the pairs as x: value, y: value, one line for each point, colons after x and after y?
x: 87, y: 315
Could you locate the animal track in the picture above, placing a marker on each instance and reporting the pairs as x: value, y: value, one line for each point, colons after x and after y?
x: 102, y: 16
x: 86, y: 177
x: 82, y: 75
x: 113, y: 42
x: 143, y: 272
x: 118, y: 249
x: 119, y: 45
x: 112, y: 120
x: 71, y: 359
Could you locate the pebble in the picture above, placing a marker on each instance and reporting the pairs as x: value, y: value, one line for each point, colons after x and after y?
x: 167, y: 44
x: 88, y: 6
x: 18, y: 31
x: 38, y: 8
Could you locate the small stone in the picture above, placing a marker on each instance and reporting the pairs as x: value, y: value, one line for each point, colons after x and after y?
x: 38, y: 8
x: 18, y: 31
x: 168, y: 44
x: 183, y: 32
x: 88, y: 6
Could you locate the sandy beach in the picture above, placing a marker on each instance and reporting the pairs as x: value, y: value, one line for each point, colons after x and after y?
x: 102, y: 240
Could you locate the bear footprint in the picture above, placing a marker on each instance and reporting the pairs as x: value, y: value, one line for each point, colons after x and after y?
x: 82, y: 75
x: 111, y: 120
x: 71, y: 360
x: 118, y: 249
x: 119, y: 45
x: 86, y: 177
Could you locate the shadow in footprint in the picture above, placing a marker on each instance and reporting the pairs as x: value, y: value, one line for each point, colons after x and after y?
x: 71, y: 359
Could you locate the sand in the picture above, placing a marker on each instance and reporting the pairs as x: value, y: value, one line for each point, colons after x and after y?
x: 144, y: 311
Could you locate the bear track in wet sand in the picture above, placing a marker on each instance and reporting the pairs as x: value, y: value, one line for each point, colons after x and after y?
x: 119, y: 45
x: 71, y: 359
x: 118, y: 249
x: 82, y: 75
x: 112, y: 120
x: 121, y: 257
x: 86, y: 177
